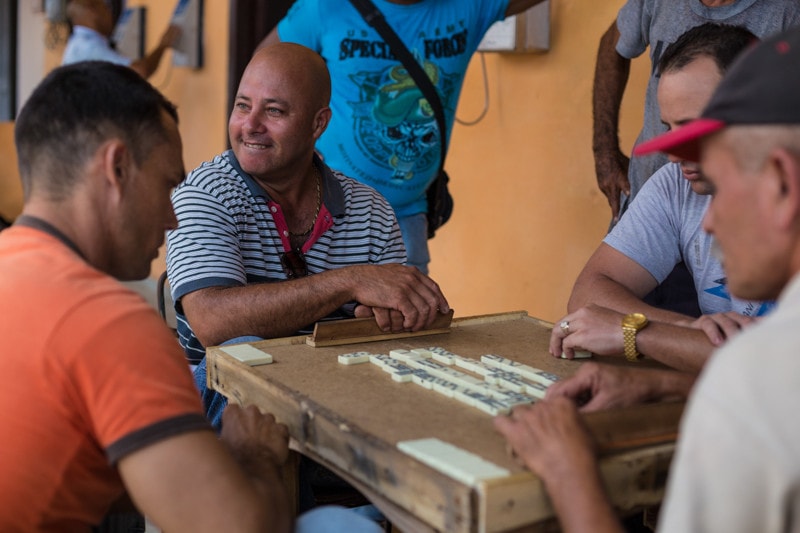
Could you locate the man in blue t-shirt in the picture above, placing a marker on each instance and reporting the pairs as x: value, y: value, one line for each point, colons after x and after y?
x: 383, y: 132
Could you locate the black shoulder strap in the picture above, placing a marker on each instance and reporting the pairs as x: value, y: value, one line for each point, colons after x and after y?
x: 375, y: 18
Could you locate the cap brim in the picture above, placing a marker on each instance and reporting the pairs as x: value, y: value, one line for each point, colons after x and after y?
x: 683, y: 142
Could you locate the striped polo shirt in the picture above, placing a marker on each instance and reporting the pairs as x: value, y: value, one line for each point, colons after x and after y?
x: 231, y: 233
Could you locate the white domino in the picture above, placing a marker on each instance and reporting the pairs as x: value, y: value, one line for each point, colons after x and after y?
x: 247, y: 354
x: 579, y: 354
x: 513, y: 399
x: 423, y: 378
x: 444, y: 387
x: 528, y: 372
x: 452, y: 461
x: 537, y: 390
x: 355, y: 358
x: 399, y: 371
x: 440, y: 354
x: 448, y: 360
x: 516, y: 383
x: 488, y: 404
x: 473, y: 365
x: 423, y: 352
x: 439, y: 350
x: 445, y: 372
x: 407, y: 355
x: 465, y: 396
x: 379, y: 359
x: 508, y: 380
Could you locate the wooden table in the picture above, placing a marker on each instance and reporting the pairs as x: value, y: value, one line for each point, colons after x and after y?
x: 350, y: 418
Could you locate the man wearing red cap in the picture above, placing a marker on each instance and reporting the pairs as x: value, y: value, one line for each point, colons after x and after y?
x: 737, y: 467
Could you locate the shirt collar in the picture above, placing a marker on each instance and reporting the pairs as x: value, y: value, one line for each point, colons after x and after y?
x: 333, y: 195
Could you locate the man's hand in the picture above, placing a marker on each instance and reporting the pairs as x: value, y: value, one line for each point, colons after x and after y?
x: 549, y: 438
x: 720, y: 327
x: 552, y: 441
x: 598, y: 386
x: 256, y: 440
x: 611, y: 167
x: 382, y: 316
x: 592, y: 328
x: 401, y: 297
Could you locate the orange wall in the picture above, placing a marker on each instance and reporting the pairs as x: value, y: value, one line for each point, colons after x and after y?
x: 528, y: 212
x: 201, y: 95
x: 10, y: 186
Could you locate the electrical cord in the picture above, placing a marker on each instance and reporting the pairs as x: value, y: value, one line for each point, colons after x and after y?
x: 485, y: 96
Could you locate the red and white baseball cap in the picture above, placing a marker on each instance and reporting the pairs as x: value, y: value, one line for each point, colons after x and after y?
x: 762, y: 87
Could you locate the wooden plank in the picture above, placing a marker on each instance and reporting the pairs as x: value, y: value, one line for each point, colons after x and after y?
x: 492, y: 318
x: 632, y: 480
x: 337, y: 443
x: 358, y: 330
x: 633, y: 427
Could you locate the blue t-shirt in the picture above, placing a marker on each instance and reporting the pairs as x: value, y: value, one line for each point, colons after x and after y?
x: 383, y: 132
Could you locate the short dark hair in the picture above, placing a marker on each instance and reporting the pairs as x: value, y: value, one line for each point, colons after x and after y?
x: 721, y: 42
x: 74, y: 110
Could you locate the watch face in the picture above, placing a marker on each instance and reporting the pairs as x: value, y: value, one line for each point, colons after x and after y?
x: 635, y: 320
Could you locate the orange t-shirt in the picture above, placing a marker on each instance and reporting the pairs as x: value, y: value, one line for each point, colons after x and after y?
x: 91, y: 374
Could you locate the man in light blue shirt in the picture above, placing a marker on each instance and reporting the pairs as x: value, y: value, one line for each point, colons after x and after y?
x: 92, y: 24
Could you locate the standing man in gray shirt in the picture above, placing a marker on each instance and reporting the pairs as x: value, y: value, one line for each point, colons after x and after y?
x: 655, y: 24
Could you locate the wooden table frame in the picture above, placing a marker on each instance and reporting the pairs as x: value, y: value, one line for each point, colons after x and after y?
x: 636, y: 445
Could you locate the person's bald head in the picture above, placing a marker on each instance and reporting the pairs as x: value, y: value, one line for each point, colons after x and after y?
x: 303, y: 68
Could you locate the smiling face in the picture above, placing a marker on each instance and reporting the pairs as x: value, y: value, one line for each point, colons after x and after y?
x: 682, y: 96
x: 279, y: 112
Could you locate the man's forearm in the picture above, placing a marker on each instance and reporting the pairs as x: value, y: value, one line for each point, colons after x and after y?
x: 267, y: 480
x: 580, y: 500
x: 645, y: 385
x: 266, y: 310
x: 682, y: 348
x: 149, y: 63
x: 671, y: 384
x: 601, y: 290
x: 610, y: 78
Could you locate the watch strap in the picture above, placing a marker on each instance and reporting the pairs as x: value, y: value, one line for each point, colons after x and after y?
x: 629, y: 343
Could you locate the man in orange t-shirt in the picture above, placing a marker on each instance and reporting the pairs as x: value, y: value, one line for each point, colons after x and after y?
x: 97, y: 399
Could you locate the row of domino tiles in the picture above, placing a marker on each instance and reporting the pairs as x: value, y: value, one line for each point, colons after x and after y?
x: 505, y: 383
